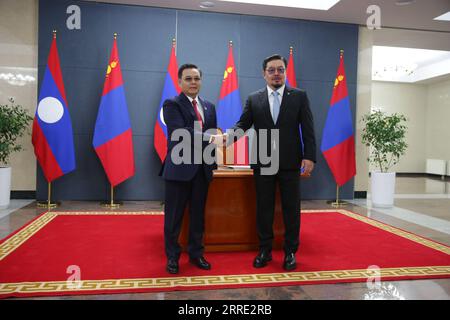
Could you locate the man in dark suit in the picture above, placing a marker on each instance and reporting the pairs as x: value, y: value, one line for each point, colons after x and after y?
x: 279, y: 109
x: 187, y: 181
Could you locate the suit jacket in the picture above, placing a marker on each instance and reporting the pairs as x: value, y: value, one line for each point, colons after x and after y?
x: 179, y: 114
x: 294, y: 111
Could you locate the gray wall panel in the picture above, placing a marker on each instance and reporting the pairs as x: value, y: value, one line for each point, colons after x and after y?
x: 144, y: 41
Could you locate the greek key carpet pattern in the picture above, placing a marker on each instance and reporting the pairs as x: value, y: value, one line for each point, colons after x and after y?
x: 117, y: 285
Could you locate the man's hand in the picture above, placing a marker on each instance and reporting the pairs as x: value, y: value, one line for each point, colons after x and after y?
x: 308, y: 166
x: 218, y: 139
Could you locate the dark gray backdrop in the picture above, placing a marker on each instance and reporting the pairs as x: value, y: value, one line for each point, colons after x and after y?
x: 144, y: 42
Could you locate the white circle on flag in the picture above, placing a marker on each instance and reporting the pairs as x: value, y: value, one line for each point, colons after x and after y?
x: 161, y: 116
x: 50, y: 110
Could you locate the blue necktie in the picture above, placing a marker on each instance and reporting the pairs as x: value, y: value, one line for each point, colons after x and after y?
x: 275, y: 106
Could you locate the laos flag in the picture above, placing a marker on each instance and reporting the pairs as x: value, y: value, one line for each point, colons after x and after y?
x: 170, y: 90
x: 52, y: 136
x: 112, y: 134
x: 338, y: 141
x: 230, y: 108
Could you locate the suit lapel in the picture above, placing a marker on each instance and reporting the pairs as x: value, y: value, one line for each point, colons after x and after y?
x: 264, y: 102
x: 205, y: 111
x: 184, y: 101
x: 284, y: 103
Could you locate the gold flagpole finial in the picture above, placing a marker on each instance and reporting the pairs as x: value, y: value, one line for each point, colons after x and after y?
x: 54, y: 34
x: 291, y: 49
x: 230, y: 43
x: 115, y: 35
x: 174, y: 42
x: 341, y: 53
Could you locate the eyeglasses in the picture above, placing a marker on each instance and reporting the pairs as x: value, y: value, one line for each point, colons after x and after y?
x: 190, y: 79
x: 272, y: 70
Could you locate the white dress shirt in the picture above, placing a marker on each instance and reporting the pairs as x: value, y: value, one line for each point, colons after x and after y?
x: 199, y: 107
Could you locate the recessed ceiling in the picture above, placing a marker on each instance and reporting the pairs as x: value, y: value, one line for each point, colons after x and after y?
x: 408, y: 65
x: 418, y: 14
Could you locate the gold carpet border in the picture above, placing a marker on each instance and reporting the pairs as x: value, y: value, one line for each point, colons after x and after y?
x: 27, y: 232
x: 216, y: 280
x: 413, y: 237
x: 154, y: 283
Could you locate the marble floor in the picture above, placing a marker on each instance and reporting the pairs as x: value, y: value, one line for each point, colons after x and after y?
x: 422, y: 206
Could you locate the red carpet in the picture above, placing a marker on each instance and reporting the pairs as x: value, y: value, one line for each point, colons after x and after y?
x: 124, y: 252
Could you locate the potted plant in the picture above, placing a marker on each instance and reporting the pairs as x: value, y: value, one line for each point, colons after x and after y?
x: 14, y: 121
x: 385, y: 136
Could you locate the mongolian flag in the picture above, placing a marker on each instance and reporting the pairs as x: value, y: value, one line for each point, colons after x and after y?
x: 230, y: 108
x: 112, y: 134
x: 52, y: 136
x: 338, y: 141
x: 170, y: 90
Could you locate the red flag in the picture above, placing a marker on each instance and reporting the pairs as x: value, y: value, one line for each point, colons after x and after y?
x: 338, y: 142
x: 230, y: 108
x: 112, y: 134
x: 290, y: 71
x: 52, y: 136
x: 170, y: 90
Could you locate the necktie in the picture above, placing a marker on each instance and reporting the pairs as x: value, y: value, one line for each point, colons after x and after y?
x: 199, y: 117
x: 275, y: 106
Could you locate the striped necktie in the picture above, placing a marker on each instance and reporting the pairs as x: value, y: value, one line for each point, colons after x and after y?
x: 199, y: 117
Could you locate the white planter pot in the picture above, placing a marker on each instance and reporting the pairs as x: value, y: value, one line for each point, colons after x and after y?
x: 383, y: 189
x: 5, y: 186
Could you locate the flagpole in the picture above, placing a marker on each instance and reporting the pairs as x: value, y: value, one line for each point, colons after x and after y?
x: 338, y: 203
x: 48, y: 204
x: 111, y: 204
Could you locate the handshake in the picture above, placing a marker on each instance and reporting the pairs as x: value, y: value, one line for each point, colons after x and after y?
x: 219, y: 139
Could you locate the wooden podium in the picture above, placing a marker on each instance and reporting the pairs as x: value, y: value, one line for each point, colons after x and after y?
x: 230, y: 214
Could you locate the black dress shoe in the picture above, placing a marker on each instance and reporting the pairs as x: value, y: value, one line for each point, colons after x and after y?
x: 262, y: 258
x: 289, y: 262
x: 200, y: 262
x: 172, y: 266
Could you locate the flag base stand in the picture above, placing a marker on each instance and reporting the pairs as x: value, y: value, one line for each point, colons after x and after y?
x: 45, y: 204
x: 338, y: 202
x: 111, y: 204
x: 48, y: 204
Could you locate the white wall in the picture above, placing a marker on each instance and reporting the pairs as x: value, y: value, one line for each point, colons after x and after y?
x: 363, y: 103
x: 410, y: 100
x: 438, y: 121
x: 18, y: 55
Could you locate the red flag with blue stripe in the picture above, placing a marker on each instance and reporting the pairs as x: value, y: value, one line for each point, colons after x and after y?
x: 338, y: 140
x: 290, y: 71
x: 112, y: 134
x: 230, y: 108
x: 170, y: 90
x: 52, y: 135
x: 291, y: 81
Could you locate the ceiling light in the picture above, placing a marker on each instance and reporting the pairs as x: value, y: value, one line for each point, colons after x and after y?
x: 408, y: 64
x: 303, y: 4
x: 403, y: 2
x: 443, y: 17
x: 206, y: 4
